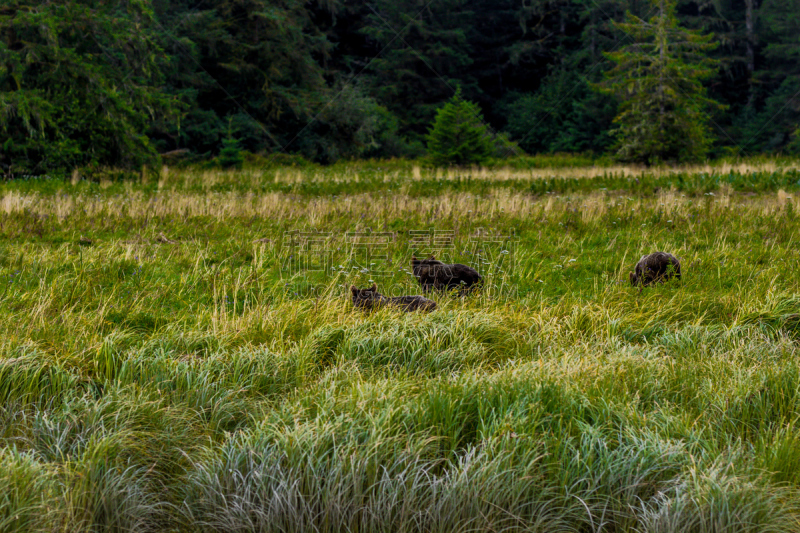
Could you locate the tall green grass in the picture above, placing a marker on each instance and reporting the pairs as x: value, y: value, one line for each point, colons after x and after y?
x: 162, y: 370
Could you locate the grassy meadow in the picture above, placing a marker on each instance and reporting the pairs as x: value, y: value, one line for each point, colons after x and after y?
x: 169, y: 361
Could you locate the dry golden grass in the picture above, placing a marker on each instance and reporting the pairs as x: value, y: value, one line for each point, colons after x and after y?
x: 507, y: 174
x: 293, y: 176
x: 280, y: 206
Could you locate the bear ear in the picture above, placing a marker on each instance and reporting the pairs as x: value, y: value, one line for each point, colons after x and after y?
x: 374, y: 287
x: 353, y: 289
x: 432, y: 258
x: 413, y: 257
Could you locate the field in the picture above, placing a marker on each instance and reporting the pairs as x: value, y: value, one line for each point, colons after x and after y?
x: 173, y: 359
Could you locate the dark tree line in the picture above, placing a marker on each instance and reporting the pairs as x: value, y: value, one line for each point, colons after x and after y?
x: 88, y: 83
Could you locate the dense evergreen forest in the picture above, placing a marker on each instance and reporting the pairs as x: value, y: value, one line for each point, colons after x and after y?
x: 92, y: 83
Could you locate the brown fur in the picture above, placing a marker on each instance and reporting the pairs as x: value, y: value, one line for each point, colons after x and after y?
x: 433, y: 274
x: 655, y: 268
x: 369, y: 299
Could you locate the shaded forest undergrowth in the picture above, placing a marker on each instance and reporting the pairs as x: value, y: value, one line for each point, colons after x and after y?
x: 165, y: 364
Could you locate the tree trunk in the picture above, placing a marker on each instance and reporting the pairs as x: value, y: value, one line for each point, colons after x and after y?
x: 662, y: 45
x: 500, y: 77
x: 750, y: 43
x: 750, y: 34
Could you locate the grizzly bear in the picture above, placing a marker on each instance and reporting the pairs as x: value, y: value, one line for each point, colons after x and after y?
x: 656, y: 267
x: 368, y: 299
x: 433, y: 274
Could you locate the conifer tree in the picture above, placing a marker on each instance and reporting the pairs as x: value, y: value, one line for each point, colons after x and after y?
x: 658, y: 80
x: 230, y: 156
x: 794, y: 145
x: 458, y: 135
x: 80, y: 81
x: 411, y: 80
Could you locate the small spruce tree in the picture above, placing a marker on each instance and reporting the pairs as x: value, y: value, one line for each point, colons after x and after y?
x: 794, y: 145
x: 230, y: 156
x: 458, y: 135
x: 663, y: 104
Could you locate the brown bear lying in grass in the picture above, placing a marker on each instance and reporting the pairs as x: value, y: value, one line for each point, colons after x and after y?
x: 368, y: 299
x: 656, y: 267
x: 433, y: 274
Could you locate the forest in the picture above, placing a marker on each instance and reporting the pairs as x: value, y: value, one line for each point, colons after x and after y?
x: 89, y: 84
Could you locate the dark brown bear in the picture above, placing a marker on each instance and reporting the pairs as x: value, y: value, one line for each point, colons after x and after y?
x: 656, y: 267
x: 433, y: 274
x: 369, y: 299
